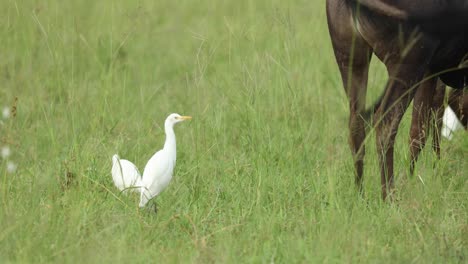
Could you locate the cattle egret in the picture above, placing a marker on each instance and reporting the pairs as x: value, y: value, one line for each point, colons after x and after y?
x: 125, y: 174
x: 158, y: 170
x: 450, y: 123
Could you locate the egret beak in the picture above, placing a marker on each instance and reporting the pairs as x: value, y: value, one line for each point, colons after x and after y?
x: 183, y: 118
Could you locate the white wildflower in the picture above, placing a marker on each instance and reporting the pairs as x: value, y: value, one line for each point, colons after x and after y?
x: 6, y: 112
x: 5, y: 152
x: 11, y: 167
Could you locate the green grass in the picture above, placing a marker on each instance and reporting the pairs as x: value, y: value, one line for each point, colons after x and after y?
x: 264, y: 171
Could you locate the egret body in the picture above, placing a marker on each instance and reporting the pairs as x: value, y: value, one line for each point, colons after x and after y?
x: 158, y: 170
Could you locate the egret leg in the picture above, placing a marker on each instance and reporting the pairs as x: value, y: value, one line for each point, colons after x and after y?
x: 154, y: 207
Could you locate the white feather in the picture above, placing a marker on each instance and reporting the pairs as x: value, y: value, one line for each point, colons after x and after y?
x: 450, y: 123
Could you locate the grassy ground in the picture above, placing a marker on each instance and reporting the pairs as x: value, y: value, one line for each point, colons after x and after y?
x: 264, y: 172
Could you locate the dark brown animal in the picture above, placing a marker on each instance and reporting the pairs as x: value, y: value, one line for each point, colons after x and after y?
x: 421, y: 43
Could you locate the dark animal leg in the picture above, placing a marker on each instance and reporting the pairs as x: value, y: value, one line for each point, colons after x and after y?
x: 399, y: 93
x: 437, y: 115
x: 353, y: 57
x: 464, y: 107
x: 356, y: 92
x: 420, y: 123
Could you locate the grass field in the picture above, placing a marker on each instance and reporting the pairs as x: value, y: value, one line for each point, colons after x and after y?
x: 264, y: 172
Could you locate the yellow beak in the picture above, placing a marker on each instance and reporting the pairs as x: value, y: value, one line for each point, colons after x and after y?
x: 185, y: 118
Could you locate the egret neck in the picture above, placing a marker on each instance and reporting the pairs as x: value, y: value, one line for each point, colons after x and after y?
x: 170, y: 144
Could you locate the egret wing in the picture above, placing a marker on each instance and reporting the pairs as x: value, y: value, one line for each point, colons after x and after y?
x: 154, y: 175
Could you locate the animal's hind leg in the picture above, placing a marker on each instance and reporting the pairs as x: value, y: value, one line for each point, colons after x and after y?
x: 355, y: 82
x: 425, y: 101
x: 399, y: 93
x: 437, y: 115
x: 353, y: 56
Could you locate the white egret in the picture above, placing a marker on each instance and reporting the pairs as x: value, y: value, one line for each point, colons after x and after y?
x: 450, y: 123
x: 158, y: 170
x: 125, y: 174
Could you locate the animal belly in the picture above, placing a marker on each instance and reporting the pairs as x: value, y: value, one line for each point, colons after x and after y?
x: 457, y: 79
x: 450, y: 59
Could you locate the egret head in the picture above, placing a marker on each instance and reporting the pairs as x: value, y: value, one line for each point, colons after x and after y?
x: 173, y: 119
